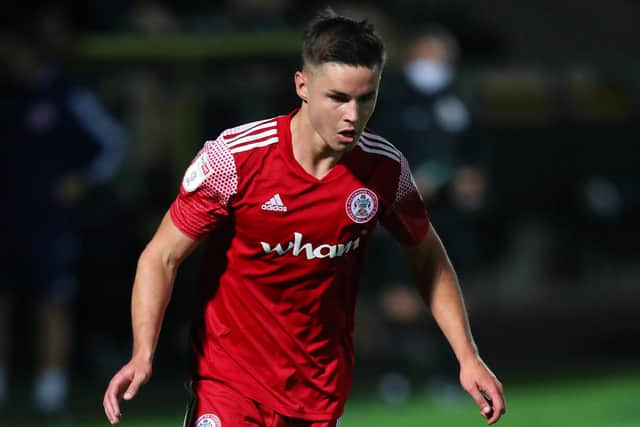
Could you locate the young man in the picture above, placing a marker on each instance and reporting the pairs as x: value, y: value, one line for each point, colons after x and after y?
x: 288, y: 205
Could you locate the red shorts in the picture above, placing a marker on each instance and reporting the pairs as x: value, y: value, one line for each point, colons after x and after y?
x: 214, y: 404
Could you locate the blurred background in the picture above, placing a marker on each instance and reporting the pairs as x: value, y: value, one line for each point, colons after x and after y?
x: 519, y: 120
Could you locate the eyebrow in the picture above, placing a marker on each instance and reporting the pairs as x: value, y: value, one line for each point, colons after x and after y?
x: 346, y: 95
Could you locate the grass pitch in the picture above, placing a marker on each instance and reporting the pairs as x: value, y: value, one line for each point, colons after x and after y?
x: 601, y: 401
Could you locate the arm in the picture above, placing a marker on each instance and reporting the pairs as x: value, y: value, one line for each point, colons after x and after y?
x: 438, y: 285
x: 102, y: 129
x: 155, y: 275
x: 94, y: 119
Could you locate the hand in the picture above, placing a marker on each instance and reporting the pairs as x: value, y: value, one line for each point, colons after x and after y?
x: 125, y: 384
x: 483, y: 386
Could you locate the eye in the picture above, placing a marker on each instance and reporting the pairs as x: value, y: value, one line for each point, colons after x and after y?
x: 338, y: 98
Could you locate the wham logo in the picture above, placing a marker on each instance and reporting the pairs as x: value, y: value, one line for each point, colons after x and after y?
x: 323, y: 251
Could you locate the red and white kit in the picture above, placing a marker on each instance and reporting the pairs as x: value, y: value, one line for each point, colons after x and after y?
x: 284, y: 255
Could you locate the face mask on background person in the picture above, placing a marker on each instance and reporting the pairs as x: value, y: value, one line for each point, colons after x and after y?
x: 428, y: 76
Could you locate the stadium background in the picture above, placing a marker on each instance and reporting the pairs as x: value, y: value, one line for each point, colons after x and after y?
x: 554, y: 92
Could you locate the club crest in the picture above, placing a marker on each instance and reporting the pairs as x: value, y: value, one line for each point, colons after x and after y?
x: 208, y: 420
x: 362, y: 205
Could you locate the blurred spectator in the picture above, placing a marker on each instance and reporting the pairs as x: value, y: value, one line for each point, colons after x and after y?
x: 429, y: 120
x: 60, y: 143
x: 426, y: 118
x: 258, y: 14
x: 151, y: 17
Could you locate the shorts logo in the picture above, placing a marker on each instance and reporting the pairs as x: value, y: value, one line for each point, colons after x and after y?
x: 362, y: 205
x: 208, y: 420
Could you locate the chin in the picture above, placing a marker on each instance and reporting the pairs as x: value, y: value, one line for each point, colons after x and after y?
x: 343, y: 148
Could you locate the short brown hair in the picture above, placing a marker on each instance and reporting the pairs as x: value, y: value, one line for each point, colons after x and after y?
x: 334, y: 38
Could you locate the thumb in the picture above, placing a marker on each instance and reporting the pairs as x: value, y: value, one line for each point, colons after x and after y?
x: 478, y: 397
x: 132, y: 390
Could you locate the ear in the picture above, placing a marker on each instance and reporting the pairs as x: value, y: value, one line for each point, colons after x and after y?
x: 302, y: 87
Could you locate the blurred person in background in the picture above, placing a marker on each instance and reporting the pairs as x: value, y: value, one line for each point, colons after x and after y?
x: 424, y: 109
x: 60, y: 143
x: 287, y: 206
x: 421, y: 107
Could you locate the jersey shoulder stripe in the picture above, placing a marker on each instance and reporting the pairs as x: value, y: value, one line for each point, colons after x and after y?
x: 379, y: 152
x: 379, y: 139
x: 252, y: 135
x: 373, y: 147
x: 230, y: 139
x: 379, y: 146
x: 237, y: 130
x: 247, y: 147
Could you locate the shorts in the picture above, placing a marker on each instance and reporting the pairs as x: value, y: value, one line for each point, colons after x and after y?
x: 214, y: 404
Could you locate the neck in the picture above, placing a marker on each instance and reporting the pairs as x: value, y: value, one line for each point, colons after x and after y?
x: 309, y: 150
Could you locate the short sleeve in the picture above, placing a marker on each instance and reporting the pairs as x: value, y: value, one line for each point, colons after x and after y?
x: 406, y: 219
x: 208, y: 184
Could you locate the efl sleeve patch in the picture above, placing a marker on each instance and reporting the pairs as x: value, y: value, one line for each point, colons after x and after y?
x: 197, y: 172
x: 207, y: 185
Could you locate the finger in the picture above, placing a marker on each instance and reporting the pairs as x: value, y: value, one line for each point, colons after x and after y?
x: 485, y: 407
x: 487, y: 413
x: 112, y: 405
x: 109, y: 410
x: 115, y: 398
x: 113, y: 395
x: 497, y: 402
x: 133, y: 388
x: 108, y: 402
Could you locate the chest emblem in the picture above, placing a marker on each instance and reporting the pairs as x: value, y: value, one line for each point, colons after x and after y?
x: 208, y: 420
x: 274, y: 204
x: 362, y: 205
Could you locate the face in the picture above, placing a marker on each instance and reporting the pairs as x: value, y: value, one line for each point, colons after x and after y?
x: 339, y: 101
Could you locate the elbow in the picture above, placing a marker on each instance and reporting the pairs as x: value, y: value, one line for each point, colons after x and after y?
x: 151, y: 257
x: 169, y: 263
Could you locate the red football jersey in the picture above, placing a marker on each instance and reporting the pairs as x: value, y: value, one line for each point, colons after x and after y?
x: 283, y: 259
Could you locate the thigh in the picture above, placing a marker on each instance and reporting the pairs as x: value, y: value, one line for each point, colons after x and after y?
x: 214, y: 404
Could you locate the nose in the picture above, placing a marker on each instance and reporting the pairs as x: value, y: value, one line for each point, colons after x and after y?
x: 351, y: 111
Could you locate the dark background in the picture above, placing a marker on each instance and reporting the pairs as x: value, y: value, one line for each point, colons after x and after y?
x: 554, y: 92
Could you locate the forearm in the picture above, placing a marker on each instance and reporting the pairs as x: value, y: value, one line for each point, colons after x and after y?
x: 151, y: 294
x: 438, y: 283
x: 448, y: 309
x: 152, y: 288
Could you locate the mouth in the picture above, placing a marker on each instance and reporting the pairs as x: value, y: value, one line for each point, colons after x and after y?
x: 347, y: 135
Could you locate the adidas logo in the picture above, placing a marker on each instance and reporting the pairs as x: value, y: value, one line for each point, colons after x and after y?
x: 274, y: 204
